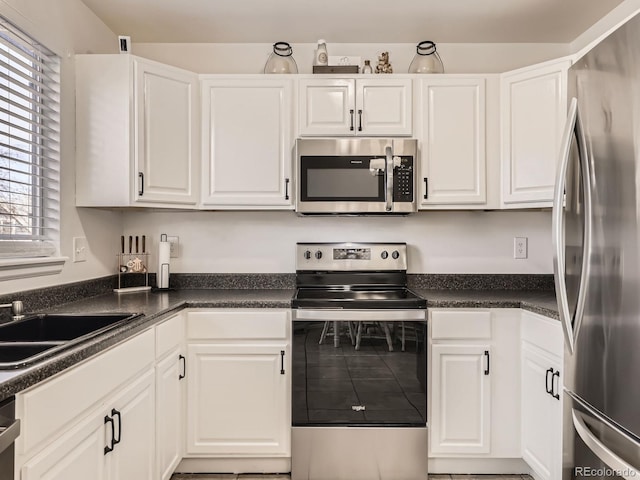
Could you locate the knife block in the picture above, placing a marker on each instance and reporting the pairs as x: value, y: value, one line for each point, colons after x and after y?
x: 130, y: 267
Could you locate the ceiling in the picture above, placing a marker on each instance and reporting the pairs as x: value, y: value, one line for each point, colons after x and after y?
x: 350, y: 21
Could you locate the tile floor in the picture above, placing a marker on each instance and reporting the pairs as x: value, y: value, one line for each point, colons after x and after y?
x: 196, y: 476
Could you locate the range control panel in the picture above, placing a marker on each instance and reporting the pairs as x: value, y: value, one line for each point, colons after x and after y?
x: 351, y: 256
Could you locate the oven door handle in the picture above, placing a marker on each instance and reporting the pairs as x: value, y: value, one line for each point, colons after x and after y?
x: 389, y: 178
x: 9, y: 434
x: 375, y: 315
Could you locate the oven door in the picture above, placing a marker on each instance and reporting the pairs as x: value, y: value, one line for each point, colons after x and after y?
x: 365, y: 368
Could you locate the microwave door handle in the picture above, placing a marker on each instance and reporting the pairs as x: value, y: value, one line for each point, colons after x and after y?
x: 389, y: 179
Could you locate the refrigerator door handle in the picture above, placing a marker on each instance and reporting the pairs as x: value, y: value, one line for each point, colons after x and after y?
x: 613, y: 461
x: 573, y: 127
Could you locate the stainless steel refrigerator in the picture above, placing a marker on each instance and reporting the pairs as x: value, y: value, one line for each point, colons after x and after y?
x: 596, y: 232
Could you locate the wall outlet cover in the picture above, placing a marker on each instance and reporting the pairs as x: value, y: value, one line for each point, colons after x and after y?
x: 520, y: 248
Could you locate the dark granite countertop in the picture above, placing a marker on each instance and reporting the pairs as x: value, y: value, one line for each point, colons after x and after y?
x: 157, y: 305
x: 537, y: 301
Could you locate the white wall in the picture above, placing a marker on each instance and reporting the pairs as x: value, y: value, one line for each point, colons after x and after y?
x: 251, y: 57
x: 605, y: 26
x: 440, y: 242
x: 68, y: 27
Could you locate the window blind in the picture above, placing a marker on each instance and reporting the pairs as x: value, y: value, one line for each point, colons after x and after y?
x: 29, y: 146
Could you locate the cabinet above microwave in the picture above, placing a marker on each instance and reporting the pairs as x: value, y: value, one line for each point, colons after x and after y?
x: 355, y: 107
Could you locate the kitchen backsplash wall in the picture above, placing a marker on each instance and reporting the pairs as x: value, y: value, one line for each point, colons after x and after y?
x: 264, y: 242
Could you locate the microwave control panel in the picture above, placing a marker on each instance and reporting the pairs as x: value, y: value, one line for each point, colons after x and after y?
x: 403, y: 181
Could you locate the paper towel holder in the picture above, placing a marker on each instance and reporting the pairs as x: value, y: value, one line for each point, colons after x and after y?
x: 164, y: 267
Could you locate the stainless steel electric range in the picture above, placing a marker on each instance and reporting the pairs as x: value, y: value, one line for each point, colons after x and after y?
x: 359, y: 404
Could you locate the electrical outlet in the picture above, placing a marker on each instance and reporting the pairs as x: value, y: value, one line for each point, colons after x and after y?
x: 174, y: 246
x: 520, y: 249
x: 79, y: 249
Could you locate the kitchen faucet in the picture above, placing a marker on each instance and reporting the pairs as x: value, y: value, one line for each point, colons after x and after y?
x: 17, y: 309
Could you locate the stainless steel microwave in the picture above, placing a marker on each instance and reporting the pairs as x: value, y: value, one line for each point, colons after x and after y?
x: 357, y: 176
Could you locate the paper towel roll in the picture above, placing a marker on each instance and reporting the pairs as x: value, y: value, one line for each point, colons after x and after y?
x: 164, y: 250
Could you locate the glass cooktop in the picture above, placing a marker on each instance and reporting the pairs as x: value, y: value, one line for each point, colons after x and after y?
x: 367, y: 298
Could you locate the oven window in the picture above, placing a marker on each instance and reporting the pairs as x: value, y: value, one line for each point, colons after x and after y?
x: 325, y: 179
x: 361, y: 377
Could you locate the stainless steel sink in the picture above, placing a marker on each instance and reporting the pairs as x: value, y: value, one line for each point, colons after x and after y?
x: 27, y: 341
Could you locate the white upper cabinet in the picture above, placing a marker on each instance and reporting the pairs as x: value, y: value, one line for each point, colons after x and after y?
x: 247, y: 142
x: 534, y: 106
x: 451, y: 131
x: 136, y: 132
x: 166, y: 154
x: 367, y: 107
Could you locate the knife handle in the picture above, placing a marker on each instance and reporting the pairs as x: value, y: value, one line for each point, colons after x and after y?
x: 122, y: 243
x: 144, y: 244
x: 130, y: 243
x: 137, y: 245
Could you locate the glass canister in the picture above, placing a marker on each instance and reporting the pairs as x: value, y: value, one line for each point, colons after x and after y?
x: 281, y: 59
x: 426, y: 59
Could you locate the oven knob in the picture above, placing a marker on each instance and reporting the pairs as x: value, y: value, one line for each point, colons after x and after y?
x: 307, y: 255
x: 395, y: 254
x: 384, y: 255
x: 318, y: 254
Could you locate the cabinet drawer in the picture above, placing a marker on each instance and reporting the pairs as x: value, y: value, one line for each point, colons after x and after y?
x: 238, y: 324
x: 543, y: 332
x: 169, y: 334
x: 48, y: 408
x: 455, y: 324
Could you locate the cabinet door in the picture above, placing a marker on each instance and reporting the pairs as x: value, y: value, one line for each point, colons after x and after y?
x: 460, y: 399
x: 327, y: 107
x: 534, y: 107
x: 541, y: 413
x: 452, y: 135
x: 247, y: 143
x: 238, y: 400
x: 78, y: 455
x: 169, y: 418
x: 383, y: 107
x: 166, y: 135
x: 134, y: 456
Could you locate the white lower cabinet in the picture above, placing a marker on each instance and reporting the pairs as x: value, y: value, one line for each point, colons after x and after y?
x: 237, y: 398
x: 238, y: 383
x: 495, y: 399
x: 541, y: 384
x: 95, y: 450
x: 461, y: 408
x: 133, y: 453
x: 474, y: 386
x: 170, y: 386
x: 78, y: 455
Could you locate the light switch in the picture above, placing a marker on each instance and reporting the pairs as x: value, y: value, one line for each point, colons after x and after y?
x: 79, y: 249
